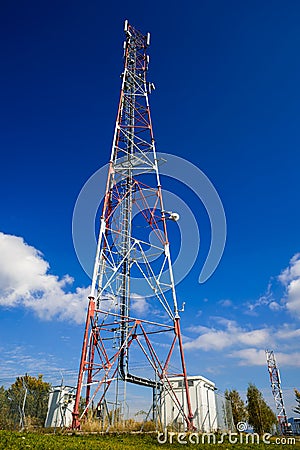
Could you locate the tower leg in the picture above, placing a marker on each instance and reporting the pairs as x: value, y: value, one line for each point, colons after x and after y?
x: 185, y: 380
x: 90, y: 314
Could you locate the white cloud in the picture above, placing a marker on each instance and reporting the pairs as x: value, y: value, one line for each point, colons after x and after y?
x: 250, y: 357
x: 292, y: 271
x: 293, y: 298
x: 15, y: 361
x: 287, y: 332
x: 139, y: 304
x: 274, y: 306
x: 232, y: 335
x: 288, y: 359
x: 247, y: 343
x: 264, y: 300
x: 256, y: 337
x: 210, y: 340
x: 257, y: 357
x: 290, y: 278
x: 25, y: 281
x: 225, y: 303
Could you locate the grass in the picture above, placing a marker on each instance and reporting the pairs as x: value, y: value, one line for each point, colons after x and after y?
x: 116, y: 441
x: 92, y: 425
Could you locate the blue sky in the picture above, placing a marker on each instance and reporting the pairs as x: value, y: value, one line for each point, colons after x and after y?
x: 227, y: 99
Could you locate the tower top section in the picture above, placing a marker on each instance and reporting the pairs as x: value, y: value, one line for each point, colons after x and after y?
x: 133, y: 142
x: 131, y: 32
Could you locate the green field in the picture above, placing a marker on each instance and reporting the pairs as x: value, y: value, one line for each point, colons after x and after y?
x: 16, y: 440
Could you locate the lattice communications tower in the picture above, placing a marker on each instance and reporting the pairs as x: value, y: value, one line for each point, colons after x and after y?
x: 132, y: 333
x: 277, y: 391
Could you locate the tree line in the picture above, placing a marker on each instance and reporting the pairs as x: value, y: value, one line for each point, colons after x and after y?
x: 255, y: 411
x: 24, y: 403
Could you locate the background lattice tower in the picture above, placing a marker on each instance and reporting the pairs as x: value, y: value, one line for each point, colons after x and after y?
x: 132, y: 332
x: 277, y: 391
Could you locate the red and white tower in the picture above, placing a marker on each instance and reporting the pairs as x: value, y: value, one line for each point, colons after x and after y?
x: 132, y: 332
x: 277, y: 391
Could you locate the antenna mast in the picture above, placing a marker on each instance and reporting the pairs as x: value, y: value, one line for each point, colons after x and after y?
x: 277, y: 391
x: 132, y: 330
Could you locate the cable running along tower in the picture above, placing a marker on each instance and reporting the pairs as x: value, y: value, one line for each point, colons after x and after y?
x: 132, y: 332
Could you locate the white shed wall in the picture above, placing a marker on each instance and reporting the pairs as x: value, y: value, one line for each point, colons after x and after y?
x: 203, y: 401
x: 60, y: 407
